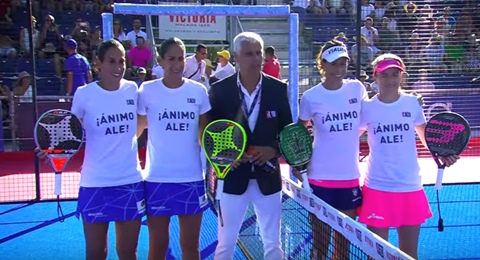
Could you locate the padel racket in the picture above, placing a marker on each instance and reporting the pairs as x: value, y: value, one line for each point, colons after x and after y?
x: 296, y: 148
x: 59, y: 134
x: 223, y: 142
x: 446, y: 134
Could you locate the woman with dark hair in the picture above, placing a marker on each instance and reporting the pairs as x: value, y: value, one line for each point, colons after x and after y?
x: 175, y: 108
x: 111, y: 184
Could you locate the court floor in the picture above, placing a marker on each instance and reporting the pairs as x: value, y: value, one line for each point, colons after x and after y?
x: 33, y: 231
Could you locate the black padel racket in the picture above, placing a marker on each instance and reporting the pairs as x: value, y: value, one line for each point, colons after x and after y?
x: 59, y: 134
x: 223, y: 142
x: 296, y: 148
x: 446, y: 134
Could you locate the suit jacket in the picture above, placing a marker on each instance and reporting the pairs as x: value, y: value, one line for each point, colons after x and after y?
x: 273, y: 115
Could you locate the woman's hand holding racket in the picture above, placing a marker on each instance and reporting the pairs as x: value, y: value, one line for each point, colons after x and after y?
x: 296, y: 148
x: 447, y: 161
x: 41, y: 154
x: 58, y: 135
x: 446, y: 136
x: 297, y: 174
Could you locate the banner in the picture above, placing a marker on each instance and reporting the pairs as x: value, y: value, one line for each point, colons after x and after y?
x: 464, y: 104
x: 193, y: 27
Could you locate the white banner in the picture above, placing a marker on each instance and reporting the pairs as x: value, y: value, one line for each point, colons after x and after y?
x: 193, y: 27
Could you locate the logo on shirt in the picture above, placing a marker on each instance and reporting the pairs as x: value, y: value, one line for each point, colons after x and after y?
x: 353, y: 101
x: 190, y: 100
x: 130, y: 102
x: 406, y: 114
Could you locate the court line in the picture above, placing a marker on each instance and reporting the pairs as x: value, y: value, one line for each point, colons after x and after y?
x: 17, y: 208
x: 42, y: 225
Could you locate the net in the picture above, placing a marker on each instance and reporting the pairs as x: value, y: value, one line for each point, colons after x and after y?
x: 335, y: 233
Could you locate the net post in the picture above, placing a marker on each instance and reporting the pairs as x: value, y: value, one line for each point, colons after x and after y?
x: 293, y: 68
x: 293, y: 78
x: 107, y: 26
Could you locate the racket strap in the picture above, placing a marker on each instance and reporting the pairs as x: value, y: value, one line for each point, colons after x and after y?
x: 60, y: 214
x: 440, y: 219
x: 58, y: 183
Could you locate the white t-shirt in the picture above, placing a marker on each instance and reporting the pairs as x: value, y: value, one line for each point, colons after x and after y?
x: 132, y: 37
x: 110, y: 122
x: 225, y: 71
x: 194, y: 70
x: 392, y: 163
x: 157, y: 70
x: 173, y: 150
x: 336, y: 118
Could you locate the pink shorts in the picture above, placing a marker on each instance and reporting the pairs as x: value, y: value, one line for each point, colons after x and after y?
x: 383, y: 209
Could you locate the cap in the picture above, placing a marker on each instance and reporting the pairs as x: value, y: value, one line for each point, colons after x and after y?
x: 334, y: 53
x: 71, y: 44
x: 224, y: 53
x: 141, y: 70
x: 387, y: 64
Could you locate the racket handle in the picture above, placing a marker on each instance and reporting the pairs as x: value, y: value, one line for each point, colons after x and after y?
x: 219, y: 190
x: 438, y: 183
x: 305, y: 184
x: 58, y: 183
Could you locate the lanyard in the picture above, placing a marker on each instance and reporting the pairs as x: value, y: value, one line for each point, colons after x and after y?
x: 248, y: 110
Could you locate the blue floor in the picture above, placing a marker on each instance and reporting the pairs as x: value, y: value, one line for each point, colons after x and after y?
x: 28, y: 231
x: 32, y: 231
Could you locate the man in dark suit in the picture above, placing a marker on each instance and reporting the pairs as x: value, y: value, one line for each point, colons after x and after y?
x: 260, y: 104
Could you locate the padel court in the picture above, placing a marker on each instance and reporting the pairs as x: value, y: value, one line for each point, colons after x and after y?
x: 33, y: 230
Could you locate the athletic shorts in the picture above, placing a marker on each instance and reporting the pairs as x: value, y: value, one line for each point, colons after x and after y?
x: 340, y: 198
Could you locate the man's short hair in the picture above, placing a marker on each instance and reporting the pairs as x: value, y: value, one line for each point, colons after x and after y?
x: 201, y: 47
x: 270, y: 50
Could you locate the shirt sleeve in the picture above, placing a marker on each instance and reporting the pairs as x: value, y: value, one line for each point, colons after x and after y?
x: 204, y: 102
x: 204, y: 67
x: 364, y: 115
x: 141, y: 101
x: 78, y: 103
x: 419, y: 114
x: 305, y: 112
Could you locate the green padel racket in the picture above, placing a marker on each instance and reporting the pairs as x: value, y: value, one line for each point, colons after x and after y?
x: 223, y: 142
x: 296, y: 148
